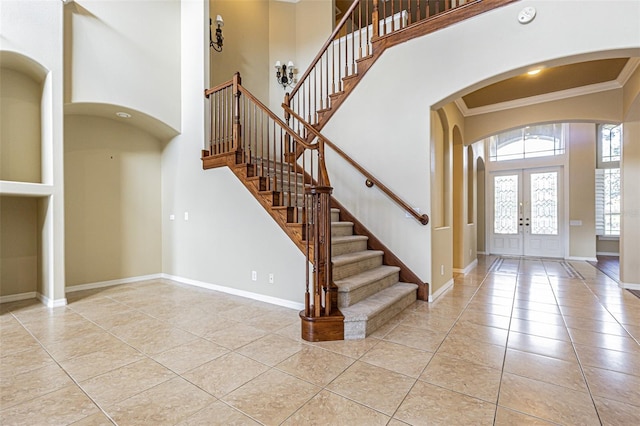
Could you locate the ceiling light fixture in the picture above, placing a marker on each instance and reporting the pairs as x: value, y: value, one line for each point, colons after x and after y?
x: 123, y: 114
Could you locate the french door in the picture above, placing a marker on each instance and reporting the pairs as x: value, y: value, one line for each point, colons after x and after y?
x: 525, y: 212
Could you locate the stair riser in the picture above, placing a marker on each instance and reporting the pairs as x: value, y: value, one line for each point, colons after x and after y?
x: 354, y: 296
x: 341, y: 229
x: 349, y: 269
x: 348, y: 247
x: 363, y: 328
x: 335, y: 216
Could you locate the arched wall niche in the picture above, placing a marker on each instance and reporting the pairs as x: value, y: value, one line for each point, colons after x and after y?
x: 21, y: 114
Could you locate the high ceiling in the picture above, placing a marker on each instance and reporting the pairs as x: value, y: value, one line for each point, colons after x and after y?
x: 547, y: 81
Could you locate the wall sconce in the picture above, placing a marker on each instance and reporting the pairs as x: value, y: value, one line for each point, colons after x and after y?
x: 217, y: 45
x: 284, y: 74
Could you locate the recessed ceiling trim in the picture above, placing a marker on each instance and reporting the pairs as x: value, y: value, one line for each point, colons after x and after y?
x: 628, y: 70
x: 533, y: 100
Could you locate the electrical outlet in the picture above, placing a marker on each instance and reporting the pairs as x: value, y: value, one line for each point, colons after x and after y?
x: 254, y: 276
x: 441, y: 269
x: 270, y: 278
x: 186, y: 215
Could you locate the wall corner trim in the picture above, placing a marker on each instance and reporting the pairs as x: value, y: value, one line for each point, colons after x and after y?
x: 51, y: 303
x: 441, y: 291
x: 468, y: 268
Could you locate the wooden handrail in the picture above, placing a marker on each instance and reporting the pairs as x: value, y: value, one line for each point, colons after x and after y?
x: 277, y: 119
x: 220, y: 86
x: 324, y: 47
x: 423, y: 219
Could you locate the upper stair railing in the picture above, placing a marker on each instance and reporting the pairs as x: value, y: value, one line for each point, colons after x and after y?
x: 366, y: 29
x: 349, y: 45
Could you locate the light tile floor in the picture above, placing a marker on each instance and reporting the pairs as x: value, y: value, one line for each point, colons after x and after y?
x: 513, y: 342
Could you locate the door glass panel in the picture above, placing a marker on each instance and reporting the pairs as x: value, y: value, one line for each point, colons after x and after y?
x: 505, y: 204
x: 544, y: 203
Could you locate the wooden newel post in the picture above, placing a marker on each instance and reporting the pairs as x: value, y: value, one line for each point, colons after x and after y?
x: 323, y: 271
x: 375, y: 20
x: 237, y: 127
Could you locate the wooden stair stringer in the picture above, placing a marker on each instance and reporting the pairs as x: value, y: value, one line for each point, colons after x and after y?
x: 373, y: 243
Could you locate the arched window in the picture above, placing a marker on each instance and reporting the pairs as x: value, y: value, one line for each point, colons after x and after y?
x: 528, y: 142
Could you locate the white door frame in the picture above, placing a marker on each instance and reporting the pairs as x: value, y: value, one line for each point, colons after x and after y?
x: 523, y: 242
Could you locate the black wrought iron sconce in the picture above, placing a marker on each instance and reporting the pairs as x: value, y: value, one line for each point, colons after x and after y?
x: 217, y: 45
x: 284, y: 74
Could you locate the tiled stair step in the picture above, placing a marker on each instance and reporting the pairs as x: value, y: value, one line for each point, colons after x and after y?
x: 341, y: 229
x: 346, y: 265
x: 355, y: 288
x: 366, y: 316
x: 348, y: 244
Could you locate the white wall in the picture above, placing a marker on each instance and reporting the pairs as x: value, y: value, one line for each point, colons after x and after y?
x: 34, y: 29
x: 369, y: 126
x: 228, y: 233
x: 125, y: 53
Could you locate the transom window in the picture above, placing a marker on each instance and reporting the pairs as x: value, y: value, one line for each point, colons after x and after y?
x: 528, y: 142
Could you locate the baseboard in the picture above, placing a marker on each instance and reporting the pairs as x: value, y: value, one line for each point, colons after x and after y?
x: 583, y: 259
x: 629, y: 286
x: 441, y: 290
x: 51, y: 303
x: 236, y: 292
x: 484, y: 253
x: 467, y: 269
x: 606, y: 253
x: 17, y: 297
x: 100, y: 284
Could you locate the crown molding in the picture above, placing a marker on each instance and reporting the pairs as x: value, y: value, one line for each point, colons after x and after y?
x: 628, y: 70
x: 539, y: 99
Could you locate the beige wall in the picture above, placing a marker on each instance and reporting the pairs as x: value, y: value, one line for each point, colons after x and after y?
x: 630, y: 164
x: 246, y: 44
x: 581, y: 138
x: 608, y: 247
x: 441, y: 199
x: 19, y: 251
x: 113, y: 201
x: 20, y: 142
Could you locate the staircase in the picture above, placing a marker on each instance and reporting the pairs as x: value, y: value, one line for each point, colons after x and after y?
x: 369, y: 292
x: 356, y: 284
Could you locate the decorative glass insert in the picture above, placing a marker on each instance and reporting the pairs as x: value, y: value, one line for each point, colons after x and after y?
x: 612, y: 202
x: 544, y: 203
x: 611, y: 141
x: 505, y: 219
x: 529, y: 142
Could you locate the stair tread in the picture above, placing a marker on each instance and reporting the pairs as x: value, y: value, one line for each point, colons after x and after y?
x: 376, y: 303
x: 364, y: 278
x: 356, y: 256
x: 348, y: 239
